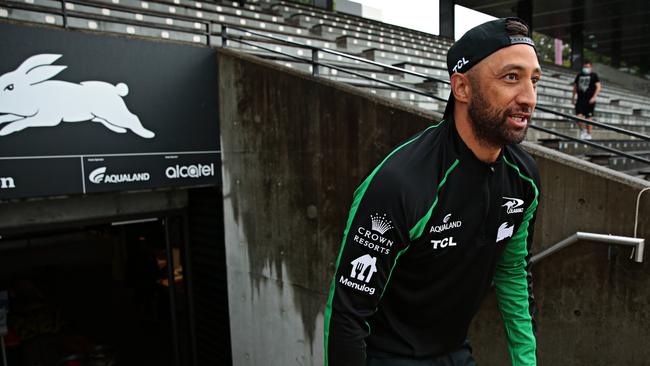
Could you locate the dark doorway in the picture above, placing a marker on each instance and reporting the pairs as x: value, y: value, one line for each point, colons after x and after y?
x: 110, y: 294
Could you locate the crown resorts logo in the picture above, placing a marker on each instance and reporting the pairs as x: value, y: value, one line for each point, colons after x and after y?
x: 380, y: 224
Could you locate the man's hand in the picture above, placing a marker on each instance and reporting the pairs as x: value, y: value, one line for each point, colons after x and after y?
x: 592, y: 100
x: 573, y: 101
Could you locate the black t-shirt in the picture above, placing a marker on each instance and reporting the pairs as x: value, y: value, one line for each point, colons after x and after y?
x: 586, y: 85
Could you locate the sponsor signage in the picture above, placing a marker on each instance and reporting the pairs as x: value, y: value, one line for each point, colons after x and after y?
x: 85, y: 113
x: 33, y: 178
x: 103, y: 174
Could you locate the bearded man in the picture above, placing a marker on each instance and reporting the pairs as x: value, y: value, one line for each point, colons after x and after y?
x: 443, y: 217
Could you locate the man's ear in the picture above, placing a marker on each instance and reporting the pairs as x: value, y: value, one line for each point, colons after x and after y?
x: 461, y: 87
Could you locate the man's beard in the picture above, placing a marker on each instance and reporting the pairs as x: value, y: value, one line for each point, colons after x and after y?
x: 490, y: 123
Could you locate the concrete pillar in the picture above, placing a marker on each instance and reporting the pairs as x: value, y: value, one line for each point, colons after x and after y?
x: 577, y: 38
x: 644, y: 65
x: 525, y: 12
x: 615, y: 52
x: 325, y: 4
x: 447, y: 18
x: 577, y: 45
x: 557, y: 47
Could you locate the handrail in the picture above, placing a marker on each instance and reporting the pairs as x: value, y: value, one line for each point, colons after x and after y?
x: 208, y: 32
x: 431, y: 78
x: 336, y: 53
x: 592, y: 144
x: 310, y: 7
x: 637, y: 243
x: 597, y: 124
x: 318, y: 63
x: 225, y: 35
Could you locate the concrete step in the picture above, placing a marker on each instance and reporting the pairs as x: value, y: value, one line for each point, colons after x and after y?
x: 577, y: 148
x: 360, y: 42
x: 404, y: 34
x: 394, y: 58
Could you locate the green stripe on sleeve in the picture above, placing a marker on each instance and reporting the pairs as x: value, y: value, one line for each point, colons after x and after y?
x: 512, y: 288
x: 417, y: 230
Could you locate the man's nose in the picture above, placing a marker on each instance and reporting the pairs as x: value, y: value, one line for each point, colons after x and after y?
x: 527, y: 95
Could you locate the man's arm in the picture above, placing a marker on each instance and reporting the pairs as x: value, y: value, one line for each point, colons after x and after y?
x: 573, y: 94
x: 596, y: 92
x: 513, y: 285
x: 375, y: 235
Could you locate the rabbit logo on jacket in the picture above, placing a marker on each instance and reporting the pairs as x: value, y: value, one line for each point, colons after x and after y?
x: 28, y: 98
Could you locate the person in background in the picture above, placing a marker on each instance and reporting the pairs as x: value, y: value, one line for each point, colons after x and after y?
x: 587, y: 87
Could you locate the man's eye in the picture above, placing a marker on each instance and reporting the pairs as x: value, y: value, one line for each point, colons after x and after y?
x: 511, y: 77
x: 535, y: 81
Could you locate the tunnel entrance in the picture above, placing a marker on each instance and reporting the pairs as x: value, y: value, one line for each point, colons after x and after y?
x: 97, y: 295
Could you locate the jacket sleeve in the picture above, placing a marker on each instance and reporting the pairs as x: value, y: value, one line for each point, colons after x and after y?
x: 375, y: 235
x: 513, y: 285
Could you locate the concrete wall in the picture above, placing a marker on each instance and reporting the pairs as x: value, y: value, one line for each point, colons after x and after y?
x: 294, y: 149
x: 592, y: 298
x: 19, y: 215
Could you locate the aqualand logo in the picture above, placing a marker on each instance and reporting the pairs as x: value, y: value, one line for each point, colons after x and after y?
x: 446, y: 225
x: 99, y: 176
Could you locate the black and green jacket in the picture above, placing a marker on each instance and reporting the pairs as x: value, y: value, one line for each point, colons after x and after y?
x: 430, y: 229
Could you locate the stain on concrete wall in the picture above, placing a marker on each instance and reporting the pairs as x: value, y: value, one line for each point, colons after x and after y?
x: 294, y: 149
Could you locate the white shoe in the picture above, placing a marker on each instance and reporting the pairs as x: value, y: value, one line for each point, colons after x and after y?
x: 583, y: 134
x: 587, y: 136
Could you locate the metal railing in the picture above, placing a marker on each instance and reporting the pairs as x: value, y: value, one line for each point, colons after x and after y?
x: 251, y: 36
x: 315, y: 64
x: 637, y: 243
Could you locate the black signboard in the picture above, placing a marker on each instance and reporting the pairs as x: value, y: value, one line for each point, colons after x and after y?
x: 109, y: 173
x: 72, y: 103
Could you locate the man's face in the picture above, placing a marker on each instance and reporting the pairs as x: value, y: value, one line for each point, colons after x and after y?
x: 504, y: 95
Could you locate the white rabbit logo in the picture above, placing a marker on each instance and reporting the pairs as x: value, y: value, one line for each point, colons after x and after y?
x: 29, y: 99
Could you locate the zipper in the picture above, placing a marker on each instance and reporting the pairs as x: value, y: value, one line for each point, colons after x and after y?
x: 488, y: 199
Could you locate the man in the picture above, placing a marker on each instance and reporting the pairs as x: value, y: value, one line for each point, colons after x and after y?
x: 442, y: 217
x: 587, y: 86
